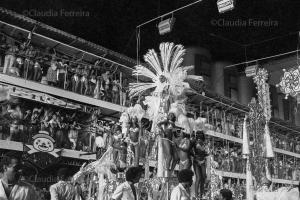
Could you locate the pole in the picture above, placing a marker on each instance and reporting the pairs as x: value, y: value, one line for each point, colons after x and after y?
x: 167, y: 187
x: 121, y: 89
x: 65, y: 81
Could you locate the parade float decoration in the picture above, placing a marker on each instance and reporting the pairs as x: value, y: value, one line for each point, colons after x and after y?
x: 258, y: 151
x: 290, y: 82
x: 168, y: 83
x: 100, y: 176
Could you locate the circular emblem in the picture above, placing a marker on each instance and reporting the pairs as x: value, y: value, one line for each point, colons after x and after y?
x: 43, y: 143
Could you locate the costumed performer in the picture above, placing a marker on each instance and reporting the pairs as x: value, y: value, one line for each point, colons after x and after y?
x: 120, y: 148
x: 184, y: 147
x: 199, y: 162
x: 134, y: 133
x: 168, y: 146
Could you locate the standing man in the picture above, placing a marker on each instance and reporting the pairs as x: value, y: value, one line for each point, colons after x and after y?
x: 182, y: 190
x: 62, y: 190
x: 127, y: 190
x: 11, y: 187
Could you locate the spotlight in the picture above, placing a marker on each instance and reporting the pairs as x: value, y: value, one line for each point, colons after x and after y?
x: 166, y: 26
x: 251, y: 70
x: 225, y: 5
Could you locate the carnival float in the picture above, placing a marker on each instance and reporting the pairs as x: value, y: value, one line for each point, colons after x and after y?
x: 164, y: 104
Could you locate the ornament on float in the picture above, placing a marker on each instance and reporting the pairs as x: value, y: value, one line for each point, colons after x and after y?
x: 290, y: 82
x: 139, y: 112
x: 245, y: 150
x: 200, y: 123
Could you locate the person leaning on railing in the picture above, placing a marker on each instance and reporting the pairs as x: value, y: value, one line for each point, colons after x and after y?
x: 10, y: 56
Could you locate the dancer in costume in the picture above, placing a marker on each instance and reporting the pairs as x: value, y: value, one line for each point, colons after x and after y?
x: 169, y: 149
x: 199, y: 162
x: 184, y: 146
x: 120, y: 148
x: 134, y: 133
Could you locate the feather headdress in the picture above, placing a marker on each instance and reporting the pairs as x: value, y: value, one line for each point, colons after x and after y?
x: 165, y: 71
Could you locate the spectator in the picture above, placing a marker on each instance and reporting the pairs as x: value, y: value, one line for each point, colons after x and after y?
x: 115, y: 91
x: 10, y: 57
x: 11, y: 187
x: 124, y: 92
x: 29, y: 64
x: 62, y: 190
x: 225, y: 194
x: 37, y: 71
x: 52, y: 73
x: 182, y: 190
x: 127, y: 190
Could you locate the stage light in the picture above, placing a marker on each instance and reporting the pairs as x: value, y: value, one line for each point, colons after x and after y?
x: 251, y: 70
x: 166, y: 26
x: 225, y: 5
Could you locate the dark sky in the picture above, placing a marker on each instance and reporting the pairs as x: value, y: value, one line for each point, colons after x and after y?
x: 111, y: 23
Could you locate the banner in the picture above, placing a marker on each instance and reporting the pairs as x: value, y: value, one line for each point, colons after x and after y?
x: 40, y: 97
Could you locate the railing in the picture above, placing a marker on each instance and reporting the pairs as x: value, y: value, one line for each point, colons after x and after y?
x: 94, y: 88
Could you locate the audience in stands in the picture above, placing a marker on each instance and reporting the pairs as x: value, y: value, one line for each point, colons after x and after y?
x: 70, y: 129
x: 21, y: 59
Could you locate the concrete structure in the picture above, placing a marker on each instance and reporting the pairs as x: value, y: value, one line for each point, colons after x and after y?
x: 217, y: 77
x: 245, y: 87
x: 200, y: 58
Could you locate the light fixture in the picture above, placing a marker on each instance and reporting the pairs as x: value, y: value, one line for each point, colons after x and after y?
x: 165, y: 26
x: 251, y: 70
x: 225, y: 5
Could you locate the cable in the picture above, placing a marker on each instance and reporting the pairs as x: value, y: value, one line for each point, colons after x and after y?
x: 264, y: 58
x: 128, y: 43
x: 226, y: 39
x: 270, y: 39
x: 173, y: 11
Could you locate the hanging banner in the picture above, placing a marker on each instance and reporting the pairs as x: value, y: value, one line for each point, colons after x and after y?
x: 40, y: 97
x: 42, y: 142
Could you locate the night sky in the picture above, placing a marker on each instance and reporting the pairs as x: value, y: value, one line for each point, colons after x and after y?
x: 112, y: 23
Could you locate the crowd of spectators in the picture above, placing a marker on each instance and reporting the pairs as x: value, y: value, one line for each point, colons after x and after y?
x: 20, y: 57
x: 71, y: 129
